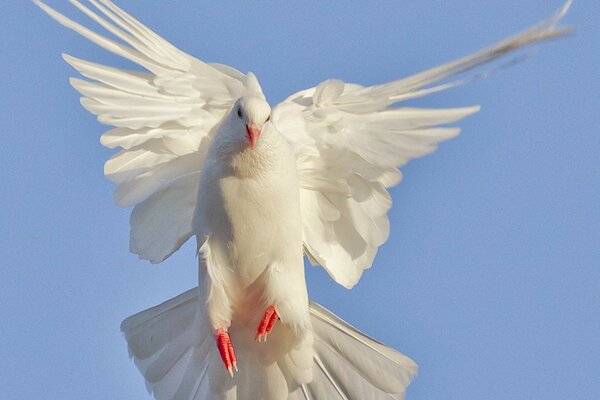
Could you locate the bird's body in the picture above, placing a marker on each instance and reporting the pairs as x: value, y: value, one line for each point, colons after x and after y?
x: 249, y: 232
x: 204, y: 155
x: 249, y: 202
x: 254, y: 217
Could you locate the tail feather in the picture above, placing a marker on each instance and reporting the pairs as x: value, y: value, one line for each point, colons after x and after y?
x: 168, y: 358
x: 173, y: 348
x: 170, y: 349
x: 153, y: 329
x: 380, y: 366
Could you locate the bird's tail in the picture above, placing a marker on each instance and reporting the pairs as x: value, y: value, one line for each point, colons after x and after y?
x: 175, y: 352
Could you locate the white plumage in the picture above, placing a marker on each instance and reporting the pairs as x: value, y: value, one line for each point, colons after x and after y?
x: 202, y: 154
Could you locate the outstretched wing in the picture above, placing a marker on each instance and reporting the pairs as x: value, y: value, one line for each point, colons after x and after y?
x: 164, y: 119
x: 350, y: 142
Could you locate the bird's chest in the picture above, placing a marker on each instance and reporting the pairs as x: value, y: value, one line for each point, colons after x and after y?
x: 263, y: 216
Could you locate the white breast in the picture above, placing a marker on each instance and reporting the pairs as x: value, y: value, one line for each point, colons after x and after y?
x: 251, y: 205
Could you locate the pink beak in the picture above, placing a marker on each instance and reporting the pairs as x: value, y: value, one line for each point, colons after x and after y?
x: 252, y: 133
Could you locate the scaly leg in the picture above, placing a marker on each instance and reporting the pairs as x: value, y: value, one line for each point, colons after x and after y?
x: 266, y: 324
x: 226, y: 350
x: 218, y: 306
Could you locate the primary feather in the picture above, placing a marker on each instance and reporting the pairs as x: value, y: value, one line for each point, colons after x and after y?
x: 315, y: 184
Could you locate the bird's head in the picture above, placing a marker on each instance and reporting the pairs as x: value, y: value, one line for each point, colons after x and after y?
x: 250, y: 114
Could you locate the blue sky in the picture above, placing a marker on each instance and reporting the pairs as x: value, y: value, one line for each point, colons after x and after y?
x: 490, y: 279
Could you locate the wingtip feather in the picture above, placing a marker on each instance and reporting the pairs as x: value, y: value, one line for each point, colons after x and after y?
x: 49, y: 10
x: 472, y: 110
x: 565, y: 8
x: 40, y: 5
x: 76, y: 83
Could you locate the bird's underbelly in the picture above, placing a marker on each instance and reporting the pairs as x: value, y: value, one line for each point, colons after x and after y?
x: 265, y: 227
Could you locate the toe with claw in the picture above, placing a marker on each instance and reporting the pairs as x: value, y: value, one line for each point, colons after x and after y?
x: 226, y: 350
x: 266, y: 324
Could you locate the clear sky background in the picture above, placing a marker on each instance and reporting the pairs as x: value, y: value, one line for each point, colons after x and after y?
x: 490, y: 279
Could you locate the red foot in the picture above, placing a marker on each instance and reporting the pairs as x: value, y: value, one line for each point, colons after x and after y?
x: 226, y: 350
x: 266, y: 324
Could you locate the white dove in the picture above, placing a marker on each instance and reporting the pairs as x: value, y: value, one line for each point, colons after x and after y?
x: 204, y: 155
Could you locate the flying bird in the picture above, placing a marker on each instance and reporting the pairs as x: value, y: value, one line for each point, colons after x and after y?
x: 204, y: 155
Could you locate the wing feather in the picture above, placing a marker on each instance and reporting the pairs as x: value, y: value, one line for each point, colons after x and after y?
x: 164, y: 119
x: 350, y: 141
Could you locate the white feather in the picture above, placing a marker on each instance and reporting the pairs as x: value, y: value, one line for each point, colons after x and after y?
x: 162, y: 117
x: 172, y: 346
x: 315, y: 183
x: 341, y: 130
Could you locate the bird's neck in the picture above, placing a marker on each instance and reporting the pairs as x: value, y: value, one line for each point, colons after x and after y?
x: 263, y: 160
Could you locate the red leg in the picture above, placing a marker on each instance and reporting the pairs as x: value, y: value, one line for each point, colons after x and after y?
x: 266, y: 324
x: 226, y: 350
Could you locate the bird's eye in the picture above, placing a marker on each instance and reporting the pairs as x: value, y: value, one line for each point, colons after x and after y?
x: 239, y: 112
x: 268, y: 118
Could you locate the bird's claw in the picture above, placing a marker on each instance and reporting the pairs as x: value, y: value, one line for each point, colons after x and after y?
x: 266, y: 324
x: 226, y: 350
